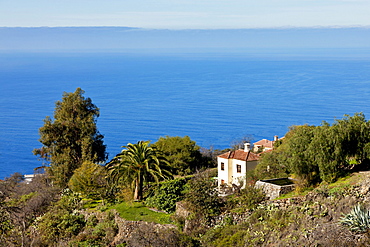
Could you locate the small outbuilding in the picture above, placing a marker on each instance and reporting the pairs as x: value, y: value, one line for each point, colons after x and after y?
x: 273, y: 188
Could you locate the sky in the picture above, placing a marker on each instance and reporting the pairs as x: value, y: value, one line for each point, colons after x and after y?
x: 185, y: 14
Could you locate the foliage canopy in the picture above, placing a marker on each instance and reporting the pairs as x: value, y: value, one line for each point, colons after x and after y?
x: 90, y: 181
x: 202, y: 196
x: 136, y: 164
x: 182, y: 153
x: 322, y: 153
x: 166, y: 194
x: 72, y: 137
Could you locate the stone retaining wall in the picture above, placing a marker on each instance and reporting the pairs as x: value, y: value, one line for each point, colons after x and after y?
x: 190, y: 223
x: 126, y: 228
x: 273, y: 191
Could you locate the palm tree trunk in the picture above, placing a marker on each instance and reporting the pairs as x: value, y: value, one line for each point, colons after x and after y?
x: 138, y: 195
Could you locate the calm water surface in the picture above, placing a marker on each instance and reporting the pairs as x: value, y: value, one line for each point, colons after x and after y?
x: 212, y: 99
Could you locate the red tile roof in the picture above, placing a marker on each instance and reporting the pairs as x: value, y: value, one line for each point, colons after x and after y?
x: 264, y: 142
x: 240, y: 155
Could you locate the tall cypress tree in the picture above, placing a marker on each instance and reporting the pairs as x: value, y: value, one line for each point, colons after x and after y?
x: 72, y: 137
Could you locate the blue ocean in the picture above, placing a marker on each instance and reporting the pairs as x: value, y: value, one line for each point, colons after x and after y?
x: 213, y: 98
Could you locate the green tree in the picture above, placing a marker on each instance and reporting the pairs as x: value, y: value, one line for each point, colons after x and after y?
x: 182, y: 153
x: 90, y: 181
x: 342, y: 146
x: 167, y: 194
x: 136, y: 164
x: 202, y: 198
x: 299, y: 157
x: 272, y: 164
x: 322, y: 153
x: 292, y: 155
x: 72, y: 137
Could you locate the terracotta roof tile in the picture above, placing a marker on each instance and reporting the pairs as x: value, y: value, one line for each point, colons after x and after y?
x: 264, y: 142
x: 240, y: 155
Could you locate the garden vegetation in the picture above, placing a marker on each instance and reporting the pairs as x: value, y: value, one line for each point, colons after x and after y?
x: 165, y: 193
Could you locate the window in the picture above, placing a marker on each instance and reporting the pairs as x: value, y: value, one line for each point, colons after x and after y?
x: 222, y: 166
x: 238, y: 168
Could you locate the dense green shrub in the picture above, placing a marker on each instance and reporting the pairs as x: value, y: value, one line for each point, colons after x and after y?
x: 182, y: 153
x: 62, y: 221
x: 5, y: 222
x: 90, y: 181
x: 166, y: 194
x: 202, y: 200
x: 202, y: 195
x: 248, y: 198
x: 263, y: 225
x: 97, y: 233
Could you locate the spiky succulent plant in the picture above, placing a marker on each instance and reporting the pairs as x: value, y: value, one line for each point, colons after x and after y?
x: 358, y: 220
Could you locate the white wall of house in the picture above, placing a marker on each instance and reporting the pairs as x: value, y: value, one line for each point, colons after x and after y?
x: 230, y: 175
x: 237, y: 176
x: 223, y: 174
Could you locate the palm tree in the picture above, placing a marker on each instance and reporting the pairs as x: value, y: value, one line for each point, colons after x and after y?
x: 138, y: 163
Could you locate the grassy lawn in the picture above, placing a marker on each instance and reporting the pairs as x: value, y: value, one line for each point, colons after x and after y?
x: 90, y: 203
x: 294, y: 193
x: 346, y: 181
x: 137, y: 211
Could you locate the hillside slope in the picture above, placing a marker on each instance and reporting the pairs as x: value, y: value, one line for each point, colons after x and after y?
x: 309, y: 220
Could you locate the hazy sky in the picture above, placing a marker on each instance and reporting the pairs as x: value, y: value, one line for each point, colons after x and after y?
x: 179, y: 14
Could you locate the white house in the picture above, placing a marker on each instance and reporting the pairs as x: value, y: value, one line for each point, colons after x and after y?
x: 264, y: 145
x: 233, y: 165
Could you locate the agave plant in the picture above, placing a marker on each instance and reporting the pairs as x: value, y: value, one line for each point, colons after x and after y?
x: 358, y: 220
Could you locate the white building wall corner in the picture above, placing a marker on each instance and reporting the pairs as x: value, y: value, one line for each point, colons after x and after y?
x: 222, y: 174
